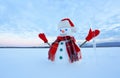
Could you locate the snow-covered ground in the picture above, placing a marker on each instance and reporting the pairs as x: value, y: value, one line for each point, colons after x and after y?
x: 33, y: 63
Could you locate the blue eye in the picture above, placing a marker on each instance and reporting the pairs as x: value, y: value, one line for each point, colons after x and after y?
x: 60, y: 30
x: 66, y: 29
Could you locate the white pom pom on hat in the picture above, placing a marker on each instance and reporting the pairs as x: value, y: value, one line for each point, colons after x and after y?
x: 67, y: 23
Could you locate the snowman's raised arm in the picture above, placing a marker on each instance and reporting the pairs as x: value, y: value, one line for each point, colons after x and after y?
x: 43, y: 37
x: 90, y: 36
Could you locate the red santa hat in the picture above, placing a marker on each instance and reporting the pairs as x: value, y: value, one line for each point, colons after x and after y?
x: 67, y: 23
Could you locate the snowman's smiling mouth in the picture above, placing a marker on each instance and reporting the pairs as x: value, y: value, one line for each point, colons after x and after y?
x: 63, y: 34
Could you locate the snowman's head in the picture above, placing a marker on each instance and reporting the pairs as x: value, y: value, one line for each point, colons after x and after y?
x: 66, y: 27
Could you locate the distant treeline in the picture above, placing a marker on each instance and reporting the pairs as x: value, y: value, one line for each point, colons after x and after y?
x: 88, y: 45
x: 105, y: 44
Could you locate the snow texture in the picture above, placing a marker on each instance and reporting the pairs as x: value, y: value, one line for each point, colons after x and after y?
x: 33, y: 63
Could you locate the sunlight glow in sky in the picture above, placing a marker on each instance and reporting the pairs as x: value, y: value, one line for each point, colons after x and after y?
x: 22, y: 20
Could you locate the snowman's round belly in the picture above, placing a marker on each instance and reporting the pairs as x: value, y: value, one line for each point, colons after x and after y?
x: 61, y: 54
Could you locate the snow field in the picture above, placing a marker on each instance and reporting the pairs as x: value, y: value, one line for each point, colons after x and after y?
x: 33, y: 63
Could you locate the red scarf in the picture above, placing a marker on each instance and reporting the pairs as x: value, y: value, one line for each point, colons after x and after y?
x: 73, y: 50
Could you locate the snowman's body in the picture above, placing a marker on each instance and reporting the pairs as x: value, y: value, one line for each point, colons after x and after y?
x: 61, y: 53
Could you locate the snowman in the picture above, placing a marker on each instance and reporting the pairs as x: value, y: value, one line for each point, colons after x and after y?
x: 64, y: 48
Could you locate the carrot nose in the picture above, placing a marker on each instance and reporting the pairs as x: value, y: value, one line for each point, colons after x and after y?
x: 62, y: 31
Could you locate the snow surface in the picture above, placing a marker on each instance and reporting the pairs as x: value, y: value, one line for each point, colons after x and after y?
x: 33, y: 63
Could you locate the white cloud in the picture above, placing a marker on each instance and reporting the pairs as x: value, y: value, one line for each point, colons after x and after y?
x: 110, y: 39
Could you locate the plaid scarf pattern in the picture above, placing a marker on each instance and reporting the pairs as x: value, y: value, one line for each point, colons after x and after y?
x: 73, y: 50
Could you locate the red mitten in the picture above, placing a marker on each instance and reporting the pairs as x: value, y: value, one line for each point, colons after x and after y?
x: 92, y: 34
x: 43, y: 37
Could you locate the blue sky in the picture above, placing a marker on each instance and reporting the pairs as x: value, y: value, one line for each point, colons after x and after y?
x: 22, y: 20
